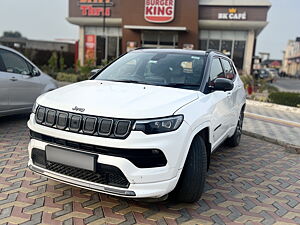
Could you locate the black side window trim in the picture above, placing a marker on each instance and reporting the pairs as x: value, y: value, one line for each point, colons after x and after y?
x: 2, y: 65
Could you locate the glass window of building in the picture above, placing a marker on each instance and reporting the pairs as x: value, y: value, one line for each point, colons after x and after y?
x: 238, y: 53
x: 160, y: 39
x: 150, y: 38
x: 226, y: 47
x: 112, y: 43
x: 214, y: 44
x: 203, y: 45
x: 167, y: 38
x: 231, y: 43
x: 100, y: 50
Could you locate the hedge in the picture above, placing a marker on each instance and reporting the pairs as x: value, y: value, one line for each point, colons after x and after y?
x: 68, y: 77
x: 71, y: 77
x: 285, y: 98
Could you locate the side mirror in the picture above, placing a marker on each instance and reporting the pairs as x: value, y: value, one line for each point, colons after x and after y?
x: 94, y: 72
x: 222, y: 84
x: 35, y: 72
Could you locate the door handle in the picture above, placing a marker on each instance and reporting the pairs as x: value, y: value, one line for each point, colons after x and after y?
x: 13, y: 79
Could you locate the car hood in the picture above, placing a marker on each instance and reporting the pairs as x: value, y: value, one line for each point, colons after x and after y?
x: 118, y: 100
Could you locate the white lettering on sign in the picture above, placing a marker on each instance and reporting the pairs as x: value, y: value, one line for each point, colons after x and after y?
x: 232, y: 14
x: 159, y: 11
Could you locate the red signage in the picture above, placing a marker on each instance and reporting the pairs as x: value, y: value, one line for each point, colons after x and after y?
x: 159, y: 11
x: 95, y: 7
x: 90, y: 47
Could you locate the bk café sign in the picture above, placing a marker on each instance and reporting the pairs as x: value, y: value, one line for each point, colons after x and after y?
x: 232, y: 14
x: 159, y: 11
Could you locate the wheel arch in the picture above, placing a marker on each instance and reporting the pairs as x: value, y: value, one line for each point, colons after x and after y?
x: 204, y: 133
x: 243, y: 107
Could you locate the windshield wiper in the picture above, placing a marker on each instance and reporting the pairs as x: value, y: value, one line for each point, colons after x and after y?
x: 182, y: 85
x: 129, y: 81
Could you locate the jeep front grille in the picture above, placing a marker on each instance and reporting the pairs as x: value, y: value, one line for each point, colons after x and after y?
x: 84, y: 124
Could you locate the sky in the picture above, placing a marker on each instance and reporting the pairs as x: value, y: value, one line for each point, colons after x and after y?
x: 45, y: 20
x: 284, y: 25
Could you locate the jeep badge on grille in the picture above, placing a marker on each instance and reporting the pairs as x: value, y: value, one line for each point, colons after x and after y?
x: 78, y: 109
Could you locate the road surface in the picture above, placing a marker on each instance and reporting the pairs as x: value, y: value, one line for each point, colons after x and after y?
x: 287, y: 84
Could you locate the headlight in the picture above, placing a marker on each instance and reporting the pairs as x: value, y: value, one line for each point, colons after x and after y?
x: 157, y: 126
x: 34, y: 107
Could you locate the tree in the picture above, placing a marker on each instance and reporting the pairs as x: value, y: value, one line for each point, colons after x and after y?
x: 52, y: 63
x: 12, y: 34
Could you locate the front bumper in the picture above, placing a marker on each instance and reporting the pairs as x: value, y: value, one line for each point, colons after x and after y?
x: 144, y: 182
x: 150, y: 190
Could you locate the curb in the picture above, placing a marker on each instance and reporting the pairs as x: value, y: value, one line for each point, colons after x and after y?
x: 289, y: 147
x: 274, y: 106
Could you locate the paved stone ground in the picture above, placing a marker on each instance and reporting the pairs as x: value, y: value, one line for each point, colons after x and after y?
x: 255, y: 183
x: 289, y: 132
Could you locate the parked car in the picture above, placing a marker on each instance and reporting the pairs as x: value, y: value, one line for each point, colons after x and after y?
x: 269, y: 74
x: 263, y: 74
x: 143, y: 127
x: 21, y: 82
x: 273, y: 74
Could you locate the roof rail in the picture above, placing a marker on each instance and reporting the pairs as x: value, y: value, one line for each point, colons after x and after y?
x: 140, y: 48
x: 216, y: 51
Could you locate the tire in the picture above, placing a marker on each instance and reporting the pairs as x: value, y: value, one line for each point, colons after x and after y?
x: 192, y: 179
x: 235, y: 140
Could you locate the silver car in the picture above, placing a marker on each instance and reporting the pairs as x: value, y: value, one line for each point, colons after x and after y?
x: 21, y: 82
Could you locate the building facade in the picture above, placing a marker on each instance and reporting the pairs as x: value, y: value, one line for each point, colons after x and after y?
x: 291, y: 58
x: 108, y: 28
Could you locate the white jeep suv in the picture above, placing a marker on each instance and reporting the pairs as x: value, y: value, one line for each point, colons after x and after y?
x: 143, y: 127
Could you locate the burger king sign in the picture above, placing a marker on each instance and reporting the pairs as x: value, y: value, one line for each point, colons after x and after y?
x: 159, y: 11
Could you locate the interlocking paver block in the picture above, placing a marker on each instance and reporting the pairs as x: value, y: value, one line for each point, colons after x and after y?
x: 255, y: 183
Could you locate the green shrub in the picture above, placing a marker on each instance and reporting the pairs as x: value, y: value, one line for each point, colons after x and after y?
x: 67, y: 77
x: 272, y: 88
x: 247, y: 79
x: 82, y: 77
x: 285, y: 98
x: 52, y: 63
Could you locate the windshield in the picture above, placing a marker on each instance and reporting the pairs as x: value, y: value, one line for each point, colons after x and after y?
x: 157, y: 68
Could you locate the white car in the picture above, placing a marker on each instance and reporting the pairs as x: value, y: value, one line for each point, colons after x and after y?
x: 21, y: 82
x: 143, y: 127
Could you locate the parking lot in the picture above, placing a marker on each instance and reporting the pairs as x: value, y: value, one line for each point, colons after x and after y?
x: 255, y: 183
